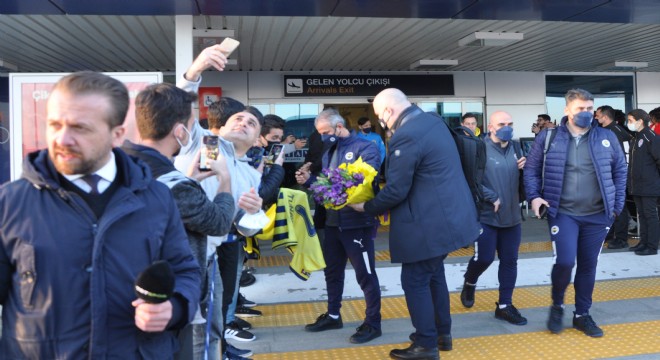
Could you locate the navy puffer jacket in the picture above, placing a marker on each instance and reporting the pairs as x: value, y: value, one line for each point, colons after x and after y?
x: 608, y: 158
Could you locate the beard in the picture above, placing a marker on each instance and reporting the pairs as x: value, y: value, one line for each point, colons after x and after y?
x: 76, y: 162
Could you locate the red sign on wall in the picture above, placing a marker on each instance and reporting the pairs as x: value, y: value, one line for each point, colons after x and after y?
x: 207, y: 96
x: 33, y: 120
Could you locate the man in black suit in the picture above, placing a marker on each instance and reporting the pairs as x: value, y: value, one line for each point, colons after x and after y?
x: 432, y: 214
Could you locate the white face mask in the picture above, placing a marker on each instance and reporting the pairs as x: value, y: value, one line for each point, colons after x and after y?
x: 632, y: 126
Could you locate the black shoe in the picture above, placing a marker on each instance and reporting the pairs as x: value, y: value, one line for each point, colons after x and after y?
x: 242, y: 324
x: 365, y: 333
x: 639, y: 246
x: 587, y: 325
x: 510, y: 314
x: 556, y: 319
x: 233, y: 331
x: 445, y: 342
x: 646, y: 251
x: 243, y: 302
x: 247, y: 279
x: 467, y: 294
x: 415, y: 352
x: 236, y: 352
x: 247, y: 312
x: 617, y: 244
x: 324, y: 322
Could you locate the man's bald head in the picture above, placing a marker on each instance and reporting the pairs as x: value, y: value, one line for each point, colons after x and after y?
x: 389, y: 104
x: 498, y: 117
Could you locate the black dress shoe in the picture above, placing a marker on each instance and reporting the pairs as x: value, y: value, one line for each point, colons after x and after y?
x: 415, y: 352
x: 445, y: 342
x: 639, y: 246
x: 324, y: 322
x: 646, y: 251
x: 365, y: 333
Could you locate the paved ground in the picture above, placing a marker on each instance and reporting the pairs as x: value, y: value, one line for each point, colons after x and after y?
x: 627, y: 296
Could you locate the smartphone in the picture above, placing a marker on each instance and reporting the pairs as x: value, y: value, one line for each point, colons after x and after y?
x: 209, y: 151
x: 543, y: 211
x: 228, y: 45
x: 275, y: 151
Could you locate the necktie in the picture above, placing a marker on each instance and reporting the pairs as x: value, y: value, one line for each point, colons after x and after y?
x: 93, y: 181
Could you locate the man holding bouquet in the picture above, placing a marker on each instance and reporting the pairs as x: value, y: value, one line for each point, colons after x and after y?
x: 433, y: 213
x: 348, y: 234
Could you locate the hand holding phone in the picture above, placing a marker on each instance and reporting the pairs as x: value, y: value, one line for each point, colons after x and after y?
x: 209, y: 151
x: 228, y: 45
x: 275, y: 151
x: 543, y: 211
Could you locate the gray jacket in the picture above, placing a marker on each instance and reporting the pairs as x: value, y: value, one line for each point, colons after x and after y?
x: 500, y: 182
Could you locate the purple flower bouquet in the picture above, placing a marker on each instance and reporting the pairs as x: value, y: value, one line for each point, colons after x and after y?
x: 347, y: 184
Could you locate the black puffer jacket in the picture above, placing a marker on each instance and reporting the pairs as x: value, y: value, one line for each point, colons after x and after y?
x: 644, y: 167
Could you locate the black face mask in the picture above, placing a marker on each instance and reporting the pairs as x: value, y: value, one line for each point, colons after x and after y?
x: 270, y: 145
x: 366, y: 130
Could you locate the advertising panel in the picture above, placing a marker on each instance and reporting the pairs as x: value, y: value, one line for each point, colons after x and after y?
x: 28, y: 96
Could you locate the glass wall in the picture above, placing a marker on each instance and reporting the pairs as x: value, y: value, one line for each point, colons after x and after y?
x: 616, y: 91
x: 453, y: 110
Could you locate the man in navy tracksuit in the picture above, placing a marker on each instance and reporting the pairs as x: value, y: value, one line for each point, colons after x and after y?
x: 582, y: 181
x: 348, y: 233
x: 500, y: 219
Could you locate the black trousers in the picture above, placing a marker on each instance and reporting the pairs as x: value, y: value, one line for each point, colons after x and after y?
x: 619, y: 230
x: 649, y: 224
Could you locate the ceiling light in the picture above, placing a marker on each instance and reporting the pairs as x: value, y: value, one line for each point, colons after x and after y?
x: 4, y: 65
x: 630, y: 65
x: 428, y: 64
x: 486, y: 38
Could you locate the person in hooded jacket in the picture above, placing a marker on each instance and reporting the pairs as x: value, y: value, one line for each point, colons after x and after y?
x: 75, y: 231
x: 644, y: 181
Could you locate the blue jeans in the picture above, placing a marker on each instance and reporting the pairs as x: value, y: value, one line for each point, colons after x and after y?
x: 199, y: 330
x: 231, y: 310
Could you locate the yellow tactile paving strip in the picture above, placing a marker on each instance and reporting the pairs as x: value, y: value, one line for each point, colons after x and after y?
x: 298, y: 314
x: 620, y: 340
x: 384, y: 255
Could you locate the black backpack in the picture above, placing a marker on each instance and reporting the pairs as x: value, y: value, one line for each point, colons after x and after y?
x: 472, y: 152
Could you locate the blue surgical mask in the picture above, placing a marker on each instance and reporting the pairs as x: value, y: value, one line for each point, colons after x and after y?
x: 583, y: 119
x: 505, y: 133
x: 366, y: 130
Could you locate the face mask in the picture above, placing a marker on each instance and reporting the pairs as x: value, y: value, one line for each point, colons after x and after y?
x: 383, y: 122
x: 583, y: 119
x: 326, y: 138
x: 504, y: 133
x: 366, y: 130
x: 270, y: 145
x: 632, y: 126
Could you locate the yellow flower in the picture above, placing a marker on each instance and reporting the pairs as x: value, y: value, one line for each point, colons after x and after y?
x: 363, y: 192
